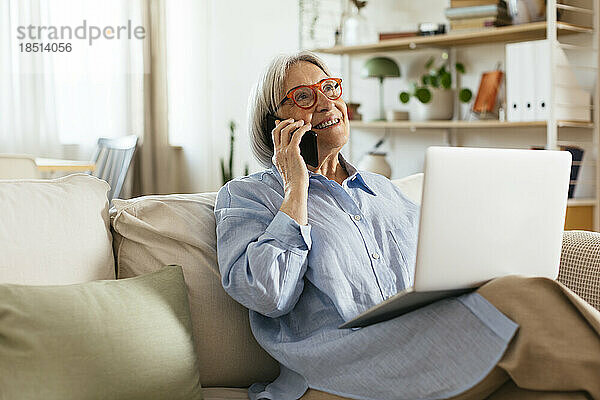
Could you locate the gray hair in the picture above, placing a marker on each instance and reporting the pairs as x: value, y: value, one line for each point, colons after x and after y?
x: 266, y: 96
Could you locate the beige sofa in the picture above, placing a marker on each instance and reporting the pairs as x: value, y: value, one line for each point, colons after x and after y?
x: 152, y: 231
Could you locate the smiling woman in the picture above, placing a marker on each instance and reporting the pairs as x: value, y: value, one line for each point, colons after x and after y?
x: 273, y: 95
x: 300, y: 91
x: 306, y: 249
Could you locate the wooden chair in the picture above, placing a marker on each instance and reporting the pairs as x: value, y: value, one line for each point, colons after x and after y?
x: 113, y: 157
x: 18, y: 166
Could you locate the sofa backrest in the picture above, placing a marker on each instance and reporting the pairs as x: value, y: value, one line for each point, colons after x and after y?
x: 411, y: 186
x: 580, y: 265
x: 55, y: 231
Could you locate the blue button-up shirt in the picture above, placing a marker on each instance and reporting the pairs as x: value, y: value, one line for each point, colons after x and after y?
x: 358, y: 249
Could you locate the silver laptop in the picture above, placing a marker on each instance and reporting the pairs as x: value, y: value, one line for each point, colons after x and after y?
x: 485, y: 213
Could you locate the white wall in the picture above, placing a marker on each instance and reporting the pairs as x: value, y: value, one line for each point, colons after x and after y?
x: 189, y: 101
x: 223, y: 47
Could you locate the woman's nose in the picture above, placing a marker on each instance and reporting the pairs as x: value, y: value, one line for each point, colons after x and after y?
x: 323, y: 102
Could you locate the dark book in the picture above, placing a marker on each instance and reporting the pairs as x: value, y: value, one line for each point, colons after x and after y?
x: 577, y: 157
x: 577, y: 154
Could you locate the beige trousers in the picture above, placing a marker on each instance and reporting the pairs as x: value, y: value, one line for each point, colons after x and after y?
x: 555, y: 353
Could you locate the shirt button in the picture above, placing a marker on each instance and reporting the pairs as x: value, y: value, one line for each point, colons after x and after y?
x: 375, y: 256
x: 357, y: 217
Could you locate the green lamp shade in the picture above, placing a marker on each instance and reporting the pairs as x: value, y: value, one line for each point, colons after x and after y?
x: 380, y: 67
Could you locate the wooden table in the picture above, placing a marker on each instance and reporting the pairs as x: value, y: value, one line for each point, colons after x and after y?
x: 54, y: 165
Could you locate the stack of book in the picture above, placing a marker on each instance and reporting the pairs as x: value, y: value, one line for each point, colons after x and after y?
x: 477, y: 14
x: 577, y: 161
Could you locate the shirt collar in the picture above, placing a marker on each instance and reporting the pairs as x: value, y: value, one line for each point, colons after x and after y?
x: 355, y: 178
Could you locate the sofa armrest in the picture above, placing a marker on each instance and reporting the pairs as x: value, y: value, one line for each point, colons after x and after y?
x: 580, y: 265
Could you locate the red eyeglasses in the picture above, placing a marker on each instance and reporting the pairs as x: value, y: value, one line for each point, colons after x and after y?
x: 305, y: 96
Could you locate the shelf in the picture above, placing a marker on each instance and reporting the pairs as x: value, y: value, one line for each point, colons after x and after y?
x: 574, y: 124
x: 512, y: 33
x: 582, y: 10
x: 484, y: 124
x: 581, y: 202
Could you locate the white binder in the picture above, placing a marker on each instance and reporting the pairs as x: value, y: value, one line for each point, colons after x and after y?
x: 541, y: 49
x: 529, y: 76
x: 513, y: 102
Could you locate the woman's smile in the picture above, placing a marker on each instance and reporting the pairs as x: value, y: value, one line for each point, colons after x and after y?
x: 327, y: 123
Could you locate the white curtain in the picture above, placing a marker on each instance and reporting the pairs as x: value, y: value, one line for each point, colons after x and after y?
x: 55, y: 101
x: 27, y: 107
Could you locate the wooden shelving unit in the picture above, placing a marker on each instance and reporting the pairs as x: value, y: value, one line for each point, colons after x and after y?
x: 454, y: 124
x: 581, y: 202
x: 553, y: 30
x: 505, y: 34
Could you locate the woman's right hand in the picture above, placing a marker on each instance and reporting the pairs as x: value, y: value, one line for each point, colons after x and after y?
x: 286, y: 140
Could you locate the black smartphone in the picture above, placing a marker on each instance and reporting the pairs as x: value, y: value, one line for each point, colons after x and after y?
x: 308, y: 144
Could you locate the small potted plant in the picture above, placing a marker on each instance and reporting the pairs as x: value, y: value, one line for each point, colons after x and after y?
x: 434, y: 94
x: 227, y: 171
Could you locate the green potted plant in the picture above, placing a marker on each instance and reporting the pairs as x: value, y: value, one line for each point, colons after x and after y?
x: 434, y: 94
x: 227, y: 171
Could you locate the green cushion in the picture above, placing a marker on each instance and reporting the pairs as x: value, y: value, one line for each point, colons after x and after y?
x: 115, y: 339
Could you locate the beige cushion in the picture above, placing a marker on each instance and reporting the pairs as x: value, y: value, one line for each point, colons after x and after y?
x: 129, y: 339
x: 55, y: 231
x: 153, y: 231
x: 411, y: 186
